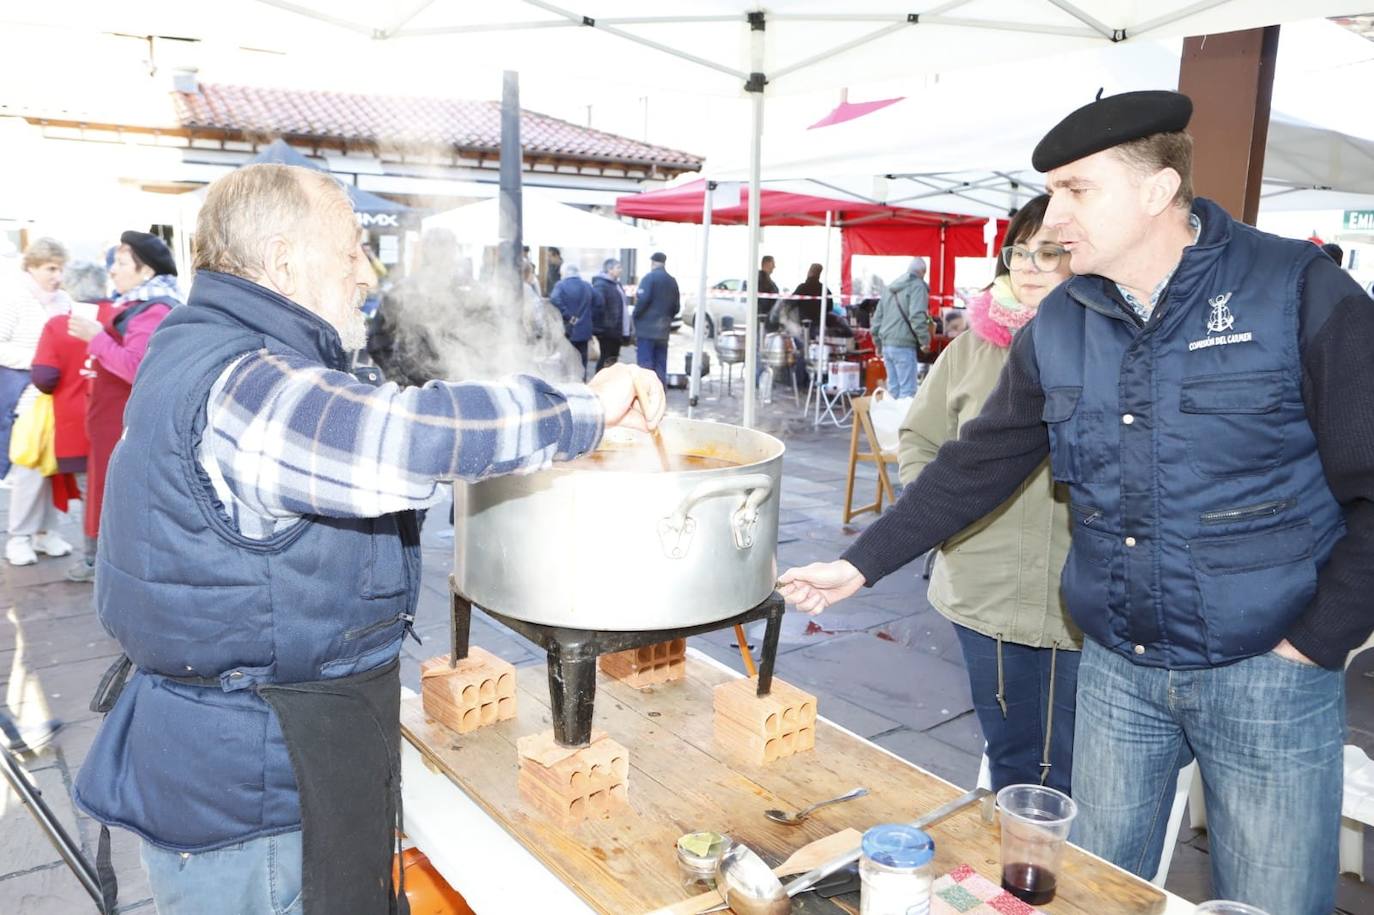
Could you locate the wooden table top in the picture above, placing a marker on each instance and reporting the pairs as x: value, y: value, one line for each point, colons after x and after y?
x: 680, y: 782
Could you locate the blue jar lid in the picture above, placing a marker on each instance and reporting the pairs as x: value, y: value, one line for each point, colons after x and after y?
x: 898, y: 845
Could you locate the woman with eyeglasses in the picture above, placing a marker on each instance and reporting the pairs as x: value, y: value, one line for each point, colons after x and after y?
x: 998, y: 580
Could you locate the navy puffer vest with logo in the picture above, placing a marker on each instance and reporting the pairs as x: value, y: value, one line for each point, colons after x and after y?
x: 193, y: 767
x: 1201, y: 513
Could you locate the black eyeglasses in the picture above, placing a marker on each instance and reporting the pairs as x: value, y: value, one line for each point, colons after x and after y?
x: 1045, y: 258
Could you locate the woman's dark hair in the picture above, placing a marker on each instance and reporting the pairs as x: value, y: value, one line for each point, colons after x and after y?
x: 1023, y: 225
x: 814, y: 272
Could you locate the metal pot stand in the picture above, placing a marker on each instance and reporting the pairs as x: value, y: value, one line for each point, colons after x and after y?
x: 572, y: 655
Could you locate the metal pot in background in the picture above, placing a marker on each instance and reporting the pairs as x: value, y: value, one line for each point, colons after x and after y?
x: 779, y: 350
x: 626, y: 550
x: 730, y: 347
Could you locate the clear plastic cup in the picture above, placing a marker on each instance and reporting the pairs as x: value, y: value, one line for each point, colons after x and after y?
x: 1035, y: 826
x: 1227, y: 907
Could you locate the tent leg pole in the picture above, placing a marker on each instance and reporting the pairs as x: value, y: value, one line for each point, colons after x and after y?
x: 943, y: 303
x: 755, y: 88
x: 825, y: 310
x: 699, y: 325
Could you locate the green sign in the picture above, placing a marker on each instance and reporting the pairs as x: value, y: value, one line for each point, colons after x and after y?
x: 1359, y: 220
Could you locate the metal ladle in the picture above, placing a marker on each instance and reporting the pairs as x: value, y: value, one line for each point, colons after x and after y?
x: 795, y: 819
x: 751, y: 888
x: 749, y: 885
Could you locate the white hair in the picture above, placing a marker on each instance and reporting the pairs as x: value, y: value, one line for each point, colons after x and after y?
x: 84, y: 281
x: 254, y: 203
x: 568, y: 269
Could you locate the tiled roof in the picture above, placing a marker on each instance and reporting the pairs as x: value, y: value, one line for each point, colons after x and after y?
x: 404, y: 121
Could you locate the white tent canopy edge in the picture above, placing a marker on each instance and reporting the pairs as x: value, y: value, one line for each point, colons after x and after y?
x: 793, y: 44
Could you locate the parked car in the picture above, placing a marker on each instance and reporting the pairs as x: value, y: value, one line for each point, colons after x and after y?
x: 728, y: 298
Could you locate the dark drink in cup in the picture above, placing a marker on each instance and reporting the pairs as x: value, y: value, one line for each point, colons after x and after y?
x: 1029, y: 883
x: 1035, y: 823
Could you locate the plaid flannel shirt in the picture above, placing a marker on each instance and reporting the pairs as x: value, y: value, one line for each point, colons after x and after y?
x: 286, y: 437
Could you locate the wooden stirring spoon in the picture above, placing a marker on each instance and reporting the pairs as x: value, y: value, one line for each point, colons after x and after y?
x: 642, y: 393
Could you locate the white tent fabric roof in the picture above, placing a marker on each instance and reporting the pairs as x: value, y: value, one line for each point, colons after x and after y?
x: 964, y: 146
x: 808, y: 44
x: 711, y: 46
x: 546, y: 222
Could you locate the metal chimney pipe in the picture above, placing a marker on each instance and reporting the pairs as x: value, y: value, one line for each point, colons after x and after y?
x: 511, y: 252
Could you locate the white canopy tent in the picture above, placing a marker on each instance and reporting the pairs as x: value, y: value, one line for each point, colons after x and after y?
x: 799, y: 45
x: 715, y: 46
x: 546, y: 222
x: 965, y: 146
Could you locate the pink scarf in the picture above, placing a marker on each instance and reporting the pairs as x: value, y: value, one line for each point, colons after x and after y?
x: 995, y: 315
x: 56, y: 302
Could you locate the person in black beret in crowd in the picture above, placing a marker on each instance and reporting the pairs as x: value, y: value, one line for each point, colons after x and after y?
x: 1204, y: 390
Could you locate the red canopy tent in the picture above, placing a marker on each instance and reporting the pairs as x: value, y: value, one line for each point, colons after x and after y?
x: 867, y: 228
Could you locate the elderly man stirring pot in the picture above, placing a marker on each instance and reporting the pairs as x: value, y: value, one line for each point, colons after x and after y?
x: 260, y: 563
x: 1204, y: 389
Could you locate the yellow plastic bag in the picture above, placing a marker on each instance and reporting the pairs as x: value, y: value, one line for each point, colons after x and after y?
x: 31, y: 440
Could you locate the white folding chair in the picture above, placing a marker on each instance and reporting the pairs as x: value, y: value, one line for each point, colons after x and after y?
x: 1187, y: 778
x: 1357, y: 800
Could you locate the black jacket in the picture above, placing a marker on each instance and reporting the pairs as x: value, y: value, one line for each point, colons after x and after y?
x: 608, y: 309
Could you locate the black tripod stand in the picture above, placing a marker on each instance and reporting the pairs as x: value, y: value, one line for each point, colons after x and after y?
x: 32, y: 797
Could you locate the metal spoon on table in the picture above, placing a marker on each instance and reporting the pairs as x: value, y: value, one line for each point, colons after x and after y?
x: 795, y: 819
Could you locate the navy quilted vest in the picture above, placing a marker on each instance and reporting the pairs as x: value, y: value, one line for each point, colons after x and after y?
x: 1201, y: 513
x: 189, y: 766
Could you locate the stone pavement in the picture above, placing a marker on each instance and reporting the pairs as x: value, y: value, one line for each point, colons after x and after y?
x: 883, y: 664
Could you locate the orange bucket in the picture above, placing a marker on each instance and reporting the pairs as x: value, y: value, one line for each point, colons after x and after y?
x: 428, y: 892
x: 875, y: 373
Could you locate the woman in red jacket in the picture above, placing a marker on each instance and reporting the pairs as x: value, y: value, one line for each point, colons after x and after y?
x: 144, y: 277
x: 59, y: 369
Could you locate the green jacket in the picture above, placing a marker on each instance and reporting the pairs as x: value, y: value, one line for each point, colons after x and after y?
x: 999, y: 576
x: 902, y: 317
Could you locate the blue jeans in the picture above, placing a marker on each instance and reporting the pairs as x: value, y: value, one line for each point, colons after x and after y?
x: 653, y: 354
x: 1016, y: 741
x: 900, y: 362
x: 12, y: 385
x: 259, y: 876
x: 1267, y: 734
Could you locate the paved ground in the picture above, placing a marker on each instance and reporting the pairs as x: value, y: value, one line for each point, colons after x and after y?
x: 883, y: 664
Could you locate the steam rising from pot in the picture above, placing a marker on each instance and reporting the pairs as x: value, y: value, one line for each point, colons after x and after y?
x: 441, y: 321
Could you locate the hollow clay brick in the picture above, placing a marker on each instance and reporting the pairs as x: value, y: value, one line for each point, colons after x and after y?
x: 479, y: 691
x: 647, y: 666
x: 573, y: 784
x: 763, y: 729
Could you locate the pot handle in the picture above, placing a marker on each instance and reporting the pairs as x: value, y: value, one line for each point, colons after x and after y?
x: 675, y: 531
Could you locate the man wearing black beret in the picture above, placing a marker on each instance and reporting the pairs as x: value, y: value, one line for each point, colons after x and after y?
x: 1205, y: 392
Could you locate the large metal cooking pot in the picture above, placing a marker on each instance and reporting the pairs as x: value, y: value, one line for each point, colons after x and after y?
x: 779, y: 350
x: 615, y: 549
x: 730, y: 347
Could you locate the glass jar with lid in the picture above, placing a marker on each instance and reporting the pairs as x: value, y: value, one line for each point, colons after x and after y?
x: 895, y: 871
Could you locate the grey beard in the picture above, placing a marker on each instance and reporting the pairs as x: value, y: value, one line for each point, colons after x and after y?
x: 352, y: 326
x: 353, y: 334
